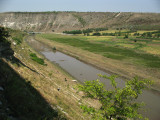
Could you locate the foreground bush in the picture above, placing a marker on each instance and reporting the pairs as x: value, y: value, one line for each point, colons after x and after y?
x: 118, y: 103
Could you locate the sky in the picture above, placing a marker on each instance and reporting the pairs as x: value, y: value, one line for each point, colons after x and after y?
x: 80, y: 5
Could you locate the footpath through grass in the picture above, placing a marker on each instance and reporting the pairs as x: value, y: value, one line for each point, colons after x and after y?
x: 107, y: 50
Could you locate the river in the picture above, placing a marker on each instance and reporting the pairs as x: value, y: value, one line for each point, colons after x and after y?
x: 82, y: 72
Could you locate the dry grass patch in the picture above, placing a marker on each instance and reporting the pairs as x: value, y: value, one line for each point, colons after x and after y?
x: 47, y: 79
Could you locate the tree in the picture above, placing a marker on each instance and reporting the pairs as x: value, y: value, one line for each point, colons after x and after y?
x: 149, y: 34
x: 4, y: 34
x: 97, y: 34
x: 73, y: 32
x: 126, y: 36
x: 136, y: 34
x: 5, y: 45
x: 157, y: 35
x: 117, y: 104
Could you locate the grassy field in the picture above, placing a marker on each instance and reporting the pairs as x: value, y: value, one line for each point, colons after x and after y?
x: 116, y: 54
x: 114, y: 48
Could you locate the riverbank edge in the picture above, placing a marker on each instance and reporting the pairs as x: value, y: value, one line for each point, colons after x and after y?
x: 54, y: 64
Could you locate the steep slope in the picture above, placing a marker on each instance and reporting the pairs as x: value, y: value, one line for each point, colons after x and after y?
x: 60, y: 21
x: 29, y: 90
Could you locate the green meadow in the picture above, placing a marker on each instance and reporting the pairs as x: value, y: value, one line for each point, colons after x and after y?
x: 138, y: 51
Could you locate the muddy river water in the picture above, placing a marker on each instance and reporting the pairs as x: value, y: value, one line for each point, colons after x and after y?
x: 82, y: 71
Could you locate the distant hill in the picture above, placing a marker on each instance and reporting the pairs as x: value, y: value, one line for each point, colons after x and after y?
x: 60, y: 21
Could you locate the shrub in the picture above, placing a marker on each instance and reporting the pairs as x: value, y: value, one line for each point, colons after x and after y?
x: 54, y: 48
x: 35, y: 58
x: 4, y: 34
x: 126, y: 36
x: 97, y: 34
x: 117, y: 103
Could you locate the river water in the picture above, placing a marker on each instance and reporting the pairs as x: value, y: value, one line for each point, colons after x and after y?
x: 82, y: 72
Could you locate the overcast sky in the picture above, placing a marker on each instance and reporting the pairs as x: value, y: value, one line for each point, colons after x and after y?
x: 81, y: 5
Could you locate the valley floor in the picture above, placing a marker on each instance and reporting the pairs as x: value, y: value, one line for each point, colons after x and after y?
x: 40, y: 91
x: 125, y: 62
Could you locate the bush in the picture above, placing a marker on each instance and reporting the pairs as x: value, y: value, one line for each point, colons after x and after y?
x: 4, y: 34
x: 126, y: 36
x: 54, y: 48
x: 17, y: 40
x: 35, y: 58
x: 97, y: 34
x: 117, y: 103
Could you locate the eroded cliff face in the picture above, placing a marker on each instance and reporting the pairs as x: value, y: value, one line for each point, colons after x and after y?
x: 60, y: 21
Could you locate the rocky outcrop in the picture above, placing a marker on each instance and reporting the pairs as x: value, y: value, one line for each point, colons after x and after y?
x: 60, y: 21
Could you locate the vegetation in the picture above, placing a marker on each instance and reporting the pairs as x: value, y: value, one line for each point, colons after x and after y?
x: 5, y: 45
x: 97, y: 34
x: 24, y: 100
x: 126, y: 34
x: 37, y: 59
x: 109, y: 49
x: 19, y: 99
x: 17, y: 36
x: 80, y: 19
x: 30, y: 90
x: 85, y: 31
x: 54, y: 48
x: 118, y: 103
x: 4, y: 34
x: 155, y: 34
x: 73, y: 32
x: 108, y: 34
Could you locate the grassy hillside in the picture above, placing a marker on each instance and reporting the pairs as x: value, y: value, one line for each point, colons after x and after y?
x: 31, y: 89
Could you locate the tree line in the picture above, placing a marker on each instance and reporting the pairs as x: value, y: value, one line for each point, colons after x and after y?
x: 155, y: 34
x: 96, y: 32
x: 85, y: 31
